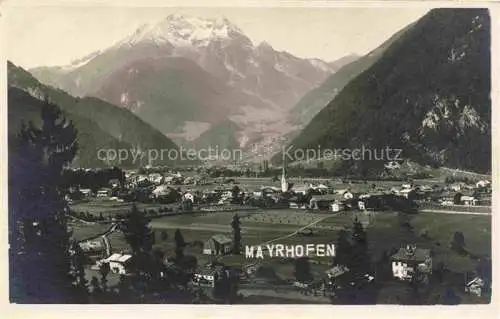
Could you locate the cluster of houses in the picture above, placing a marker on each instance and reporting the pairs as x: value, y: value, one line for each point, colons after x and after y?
x: 407, y: 264
x: 166, y: 188
x: 478, y: 194
x: 395, y: 197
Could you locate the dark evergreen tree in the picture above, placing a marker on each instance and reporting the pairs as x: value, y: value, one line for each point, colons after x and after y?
x: 302, y: 270
x: 163, y: 235
x: 444, y: 295
x: 96, y: 287
x: 179, y: 245
x: 235, y: 195
x: 104, y: 271
x: 40, y: 261
x: 458, y: 242
x: 226, y: 287
x: 139, y: 236
x: 484, y: 270
x: 440, y: 272
x: 236, y: 226
x: 78, y: 261
x: 415, y: 296
x: 384, y: 271
x: 343, y: 249
x: 404, y: 221
x: 360, y: 260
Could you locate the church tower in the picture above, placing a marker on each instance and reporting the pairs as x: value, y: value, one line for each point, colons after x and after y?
x: 284, y: 183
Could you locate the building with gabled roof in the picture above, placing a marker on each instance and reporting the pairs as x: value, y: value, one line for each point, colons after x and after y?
x: 411, y: 261
x: 119, y: 263
x: 218, y: 245
x: 475, y: 286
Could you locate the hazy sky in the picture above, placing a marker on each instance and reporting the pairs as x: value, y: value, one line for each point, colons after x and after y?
x: 51, y: 35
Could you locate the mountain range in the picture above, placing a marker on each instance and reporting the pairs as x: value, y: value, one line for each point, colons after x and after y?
x: 203, y: 82
x: 428, y: 94
x: 187, y: 76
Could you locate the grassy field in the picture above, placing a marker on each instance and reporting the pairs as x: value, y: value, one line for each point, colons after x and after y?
x: 383, y: 229
x: 82, y: 231
x: 110, y: 207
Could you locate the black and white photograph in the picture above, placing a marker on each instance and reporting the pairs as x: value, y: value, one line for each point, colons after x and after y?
x: 183, y: 155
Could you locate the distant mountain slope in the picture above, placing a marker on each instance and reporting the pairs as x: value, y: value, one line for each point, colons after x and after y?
x: 170, y: 90
x: 100, y: 124
x: 429, y: 94
x: 343, y: 61
x: 184, y: 70
x: 24, y: 107
x: 221, y: 135
x: 309, y: 105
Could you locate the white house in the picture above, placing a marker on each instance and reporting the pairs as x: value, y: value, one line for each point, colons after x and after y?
x: 483, y: 183
x: 302, y: 189
x: 322, y: 188
x: 457, y: 186
x: 155, y: 178
x: 119, y: 263
x: 348, y: 195
x: 86, y: 192
x: 205, y: 278
x: 257, y: 194
x: 411, y: 260
x: 161, y: 190
x: 468, y: 200
x: 475, y: 286
x: 103, y: 192
x: 189, y: 196
x: 225, y: 196
x: 361, y: 205
x: 407, y: 186
x: 407, y: 192
x: 336, y: 207
x: 322, y: 201
x: 392, y: 165
x: 293, y: 205
x: 140, y: 178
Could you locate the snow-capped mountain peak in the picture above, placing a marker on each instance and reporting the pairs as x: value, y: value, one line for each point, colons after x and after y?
x: 182, y: 30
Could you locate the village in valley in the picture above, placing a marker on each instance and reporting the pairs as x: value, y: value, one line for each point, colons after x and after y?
x: 428, y: 237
